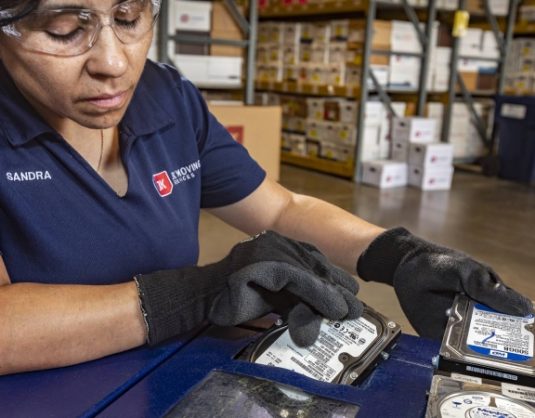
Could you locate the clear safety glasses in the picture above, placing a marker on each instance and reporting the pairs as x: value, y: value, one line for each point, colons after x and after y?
x: 73, y: 31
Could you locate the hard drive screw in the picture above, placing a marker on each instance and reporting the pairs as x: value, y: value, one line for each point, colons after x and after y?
x: 385, y: 355
x: 448, y: 312
x: 279, y: 322
x: 391, y: 324
x: 353, y: 375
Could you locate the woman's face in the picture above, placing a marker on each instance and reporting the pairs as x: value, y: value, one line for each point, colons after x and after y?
x: 92, y: 89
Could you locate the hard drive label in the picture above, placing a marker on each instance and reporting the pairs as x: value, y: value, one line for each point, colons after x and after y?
x: 482, y: 405
x: 464, y: 378
x: 320, y: 361
x: 498, y: 335
x: 519, y: 392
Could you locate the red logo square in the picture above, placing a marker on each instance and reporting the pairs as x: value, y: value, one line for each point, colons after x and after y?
x: 162, y: 183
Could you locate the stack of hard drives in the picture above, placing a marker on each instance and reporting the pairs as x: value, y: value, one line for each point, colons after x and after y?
x: 486, y: 365
x: 344, y: 352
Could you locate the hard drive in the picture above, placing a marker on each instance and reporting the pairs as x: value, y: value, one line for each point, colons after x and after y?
x: 481, y: 342
x: 470, y: 397
x: 343, y: 352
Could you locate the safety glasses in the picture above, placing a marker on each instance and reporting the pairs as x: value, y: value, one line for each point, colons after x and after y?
x: 73, y: 31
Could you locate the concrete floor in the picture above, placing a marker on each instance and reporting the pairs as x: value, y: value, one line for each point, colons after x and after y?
x: 491, y: 219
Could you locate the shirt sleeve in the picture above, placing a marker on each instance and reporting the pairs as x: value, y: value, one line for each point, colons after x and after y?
x: 228, y: 172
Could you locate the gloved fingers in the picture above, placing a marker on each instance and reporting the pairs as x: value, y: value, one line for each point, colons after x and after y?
x: 499, y: 297
x: 239, y: 302
x: 242, y: 300
x: 426, y: 312
x: 354, y: 306
x: 341, y: 277
x: 324, y: 297
x: 323, y: 267
x: 304, y: 325
x: 321, y: 295
x: 484, y: 285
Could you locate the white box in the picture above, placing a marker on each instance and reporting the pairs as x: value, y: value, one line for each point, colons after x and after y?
x: 404, y: 72
x: 404, y: 37
x: 192, y: 15
x: 489, y: 46
x: 431, y: 155
x: 400, y: 150
x: 381, y: 73
x: 431, y: 179
x: 471, y: 42
x: 384, y: 174
x: 370, y: 145
x: 447, y: 4
x: 373, y: 113
x: 413, y: 129
x: 211, y: 71
x: 441, y: 79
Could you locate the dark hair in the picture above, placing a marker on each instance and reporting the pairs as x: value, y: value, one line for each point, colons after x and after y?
x: 13, y: 10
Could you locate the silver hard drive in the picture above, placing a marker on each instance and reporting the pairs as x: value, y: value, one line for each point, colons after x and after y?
x: 343, y: 352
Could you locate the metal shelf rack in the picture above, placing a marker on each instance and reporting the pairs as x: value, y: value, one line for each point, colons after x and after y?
x: 503, y: 39
x: 359, y: 8
x: 248, y: 27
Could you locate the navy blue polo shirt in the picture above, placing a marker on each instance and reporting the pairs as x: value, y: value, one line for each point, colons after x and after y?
x: 60, y: 222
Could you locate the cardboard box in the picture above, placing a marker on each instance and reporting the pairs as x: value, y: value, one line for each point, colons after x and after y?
x: 336, y: 152
x: 431, y: 179
x: 413, y: 129
x: 384, y: 174
x: 192, y: 15
x: 400, y: 150
x: 497, y: 7
x: 431, y: 155
x: 404, y: 72
x: 258, y: 128
x: 469, y: 79
x: 373, y: 113
x: 382, y: 33
x: 211, y: 71
x: 370, y: 149
x: 224, y: 27
x: 404, y: 37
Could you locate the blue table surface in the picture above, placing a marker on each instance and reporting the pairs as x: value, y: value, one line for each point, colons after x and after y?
x: 148, y: 382
x: 84, y: 389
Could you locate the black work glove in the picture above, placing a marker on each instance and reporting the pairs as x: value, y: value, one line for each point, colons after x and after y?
x: 264, y: 274
x: 426, y: 278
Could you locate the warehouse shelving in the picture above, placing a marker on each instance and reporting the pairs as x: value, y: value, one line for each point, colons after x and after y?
x: 457, y: 91
x: 503, y: 32
x: 247, y: 26
x: 358, y: 9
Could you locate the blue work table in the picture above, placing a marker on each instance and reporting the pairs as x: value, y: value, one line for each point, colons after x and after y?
x: 148, y: 382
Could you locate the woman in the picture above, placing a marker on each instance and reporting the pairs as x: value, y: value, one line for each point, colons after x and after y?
x: 107, y: 160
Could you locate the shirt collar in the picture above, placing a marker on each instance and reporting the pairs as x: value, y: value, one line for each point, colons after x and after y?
x: 19, y: 120
x: 22, y: 123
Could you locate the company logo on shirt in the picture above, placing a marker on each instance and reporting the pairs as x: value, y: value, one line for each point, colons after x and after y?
x: 185, y: 173
x: 28, y: 176
x: 164, y: 181
x: 163, y: 184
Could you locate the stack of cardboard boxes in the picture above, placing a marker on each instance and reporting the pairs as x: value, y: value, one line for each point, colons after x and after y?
x: 478, y: 74
x: 497, y: 7
x: 204, y: 64
x: 520, y: 67
x: 329, y: 53
x: 430, y: 166
x: 327, y: 128
x: 417, y: 159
